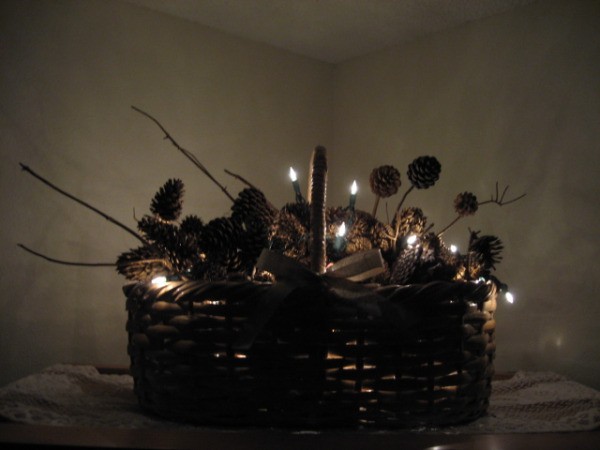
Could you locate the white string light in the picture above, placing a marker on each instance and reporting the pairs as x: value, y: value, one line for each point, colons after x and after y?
x: 159, y: 281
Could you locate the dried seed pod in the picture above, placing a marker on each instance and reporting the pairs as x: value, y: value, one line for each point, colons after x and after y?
x: 465, y: 204
x: 424, y: 171
x: 385, y: 181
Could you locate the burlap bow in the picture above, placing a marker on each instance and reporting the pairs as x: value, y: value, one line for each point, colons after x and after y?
x: 340, y: 279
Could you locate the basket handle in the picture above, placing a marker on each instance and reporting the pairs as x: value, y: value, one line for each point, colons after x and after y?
x: 317, y: 196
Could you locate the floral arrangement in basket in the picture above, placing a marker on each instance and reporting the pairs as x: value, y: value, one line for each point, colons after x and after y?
x: 191, y: 248
x: 211, y: 296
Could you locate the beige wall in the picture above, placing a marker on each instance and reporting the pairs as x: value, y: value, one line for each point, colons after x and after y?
x: 514, y: 98
x: 70, y: 71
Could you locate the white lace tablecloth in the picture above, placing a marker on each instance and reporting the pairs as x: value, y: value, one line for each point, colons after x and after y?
x: 66, y: 395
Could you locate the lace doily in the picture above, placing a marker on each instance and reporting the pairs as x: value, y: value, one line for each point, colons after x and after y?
x: 66, y: 395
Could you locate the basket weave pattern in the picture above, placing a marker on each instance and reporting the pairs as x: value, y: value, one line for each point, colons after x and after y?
x: 318, y: 361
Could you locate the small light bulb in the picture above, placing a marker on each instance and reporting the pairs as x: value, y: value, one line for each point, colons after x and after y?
x: 509, y: 297
x: 354, y: 188
x: 159, y: 281
x: 341, y: 230
x: 453, y: 248
x: 412, y: 239
x: 293, y: 175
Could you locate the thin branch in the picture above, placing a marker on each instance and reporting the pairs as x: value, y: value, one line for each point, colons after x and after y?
x: 67, y: 263
x: 189, y: 155
x: 239, y: 177
x: 375, y: 206
x: 142, y: 262
x: 397, y: 214
x: 387, y: 212
x: 81, y: 202
x: 404, y: 198
x: 499, y: 199
x: 449, y: 225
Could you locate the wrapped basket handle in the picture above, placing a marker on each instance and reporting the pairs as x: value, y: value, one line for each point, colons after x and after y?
x: 318, y: 193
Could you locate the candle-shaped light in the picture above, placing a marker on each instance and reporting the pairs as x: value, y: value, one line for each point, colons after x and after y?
x: 509, y: 297
x: 294, y: 178
x: 353, y: 191
x: 340, y: 239
x: 341, y: 231
x: 453, y: 248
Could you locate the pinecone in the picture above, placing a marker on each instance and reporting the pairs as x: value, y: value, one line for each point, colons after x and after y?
x: 191, y: 225
x: 211, y: 271
x: 166, y: 204
x: 486, y: 250
x: 412, y: 221
x: 232, y: 259
x: 157, y: 231
x: 140, y: 264
x: 289, y: 235
x: 183, y: 252
x: 466, y: 204
x: 437, y: 261
x: 424, y: 171
x: 432, y: 247
x: 301, y: 211
x: 252, y: 243
x: 385, y: 181
x: 178, y: 248
x: 219, y: 235
x: 252, y: 205
x: 337, y: 215
x: 334, y: 218
x: 358, y: 244
x: 363, y: 223
x: 405, y: 265
x: 382, y: 236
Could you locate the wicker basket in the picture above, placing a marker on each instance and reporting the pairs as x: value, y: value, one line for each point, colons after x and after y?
x: 312, y: 349
x: 318, y: 361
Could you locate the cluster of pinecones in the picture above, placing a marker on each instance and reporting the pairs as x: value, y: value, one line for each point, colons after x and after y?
x: 196, y: 250
x: 191, y: 249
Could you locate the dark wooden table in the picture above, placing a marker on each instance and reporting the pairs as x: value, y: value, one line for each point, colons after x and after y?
x: 16, y: 435
x: 38, y: 436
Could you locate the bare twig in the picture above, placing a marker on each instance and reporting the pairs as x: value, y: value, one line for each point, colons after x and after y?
x: 449, y: 225
x: 189, y: 155
x: 496, y: 198
x: 142, y: 262
x: 397, y: 214
x: 239, y: 177
x: 499, y: 199
x: 375, y: 206
x: 81, y: 202
x: 68, y: 263
x: 404, y: 198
